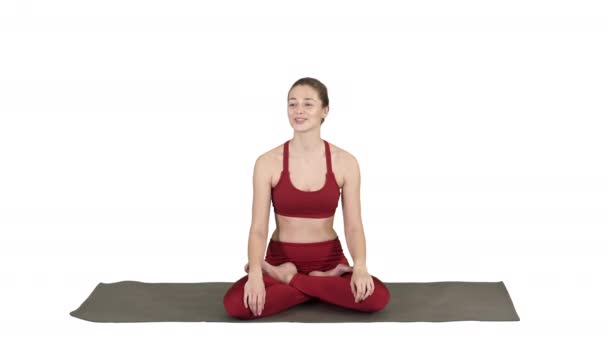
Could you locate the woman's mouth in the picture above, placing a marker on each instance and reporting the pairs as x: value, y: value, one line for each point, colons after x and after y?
x: 300, y: 120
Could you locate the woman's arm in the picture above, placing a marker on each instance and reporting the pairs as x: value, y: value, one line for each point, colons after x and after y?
x: 255, y: 251
x: 351, y: 209
x: 355, y: 240
x: 258, y: 233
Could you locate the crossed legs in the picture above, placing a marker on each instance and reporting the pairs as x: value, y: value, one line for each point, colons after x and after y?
x: 285, y: 287
x: 279, y: 297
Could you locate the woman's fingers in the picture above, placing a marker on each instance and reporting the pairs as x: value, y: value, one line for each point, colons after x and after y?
x: 354, y: 289
x: 255, y: 303
x: 259, y: 304
x: 254, y: 296
x: 368, y: 291
x: 251, y: 303
x: 360, y: 290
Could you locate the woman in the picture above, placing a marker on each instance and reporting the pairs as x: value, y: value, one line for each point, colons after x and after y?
x: 304, y: 259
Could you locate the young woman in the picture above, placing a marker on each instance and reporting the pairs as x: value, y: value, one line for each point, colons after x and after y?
x: 304, y: 258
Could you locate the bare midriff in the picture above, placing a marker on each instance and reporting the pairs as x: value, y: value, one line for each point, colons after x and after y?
x: 303, y: 229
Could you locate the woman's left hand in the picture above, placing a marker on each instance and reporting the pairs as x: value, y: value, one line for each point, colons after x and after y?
x: 361, y: 284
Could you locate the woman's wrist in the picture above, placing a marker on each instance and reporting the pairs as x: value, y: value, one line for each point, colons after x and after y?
x: 255, y: 273
x: 255, y: 270
x: 360, y: 266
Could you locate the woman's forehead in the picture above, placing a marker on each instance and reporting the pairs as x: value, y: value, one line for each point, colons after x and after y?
x: 305, y: 93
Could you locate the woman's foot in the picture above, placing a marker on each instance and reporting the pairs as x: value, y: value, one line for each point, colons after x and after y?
x: 335, y: 272
x: 283, y: 272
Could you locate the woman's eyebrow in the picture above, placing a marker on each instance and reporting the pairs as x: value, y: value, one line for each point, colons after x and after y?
x: 306, y: 98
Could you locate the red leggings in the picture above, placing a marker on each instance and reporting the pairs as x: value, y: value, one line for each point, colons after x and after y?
x: 307, y: 257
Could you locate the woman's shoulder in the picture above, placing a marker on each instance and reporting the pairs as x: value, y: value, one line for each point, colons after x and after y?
x: 340, y: 154
x: 275, y: 154
x: 271, y: 156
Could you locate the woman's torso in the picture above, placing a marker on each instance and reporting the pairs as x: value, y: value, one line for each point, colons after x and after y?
x: 307, y: 174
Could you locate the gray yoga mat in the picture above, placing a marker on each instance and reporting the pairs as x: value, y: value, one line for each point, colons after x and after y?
x: 133, y: 301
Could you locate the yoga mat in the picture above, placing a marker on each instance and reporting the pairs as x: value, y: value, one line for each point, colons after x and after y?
x: 133, y: 301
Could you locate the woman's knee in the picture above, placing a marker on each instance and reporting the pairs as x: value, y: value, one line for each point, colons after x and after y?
x: 380, y: 297
x: 234, y: 305
x: 233, y: 300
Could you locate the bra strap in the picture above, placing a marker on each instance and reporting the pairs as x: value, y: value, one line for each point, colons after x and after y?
x: 286, y: 156
x: 328, y: 157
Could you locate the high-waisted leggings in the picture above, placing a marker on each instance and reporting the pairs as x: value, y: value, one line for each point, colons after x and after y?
x: 315, y: 256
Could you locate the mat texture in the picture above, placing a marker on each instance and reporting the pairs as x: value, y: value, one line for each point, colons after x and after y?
x: 133, y: 301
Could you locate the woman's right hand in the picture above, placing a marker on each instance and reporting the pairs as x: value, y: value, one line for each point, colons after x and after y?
x: 255, y: 294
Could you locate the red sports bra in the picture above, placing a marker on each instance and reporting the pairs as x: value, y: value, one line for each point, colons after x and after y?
x: 290, y: 201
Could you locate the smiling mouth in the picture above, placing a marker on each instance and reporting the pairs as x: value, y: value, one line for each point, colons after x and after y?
x: 300, y: 121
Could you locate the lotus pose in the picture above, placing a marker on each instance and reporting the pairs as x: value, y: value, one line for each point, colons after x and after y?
x: 304, y: 179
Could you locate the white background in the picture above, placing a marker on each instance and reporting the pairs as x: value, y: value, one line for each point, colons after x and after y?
x: 129, y: 131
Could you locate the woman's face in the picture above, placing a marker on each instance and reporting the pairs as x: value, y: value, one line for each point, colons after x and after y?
x: 304, y: 103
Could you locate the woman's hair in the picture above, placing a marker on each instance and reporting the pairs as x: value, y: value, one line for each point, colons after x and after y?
x: 316, y: 85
